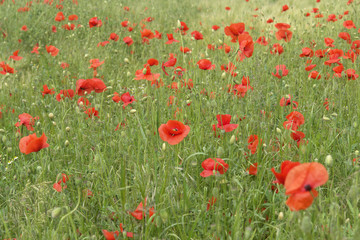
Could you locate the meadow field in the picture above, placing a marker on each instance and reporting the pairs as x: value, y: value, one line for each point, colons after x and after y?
x: 167, y: 119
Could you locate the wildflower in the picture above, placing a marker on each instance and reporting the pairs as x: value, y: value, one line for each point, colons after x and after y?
x: 173, y: 132
x: 213, y: 166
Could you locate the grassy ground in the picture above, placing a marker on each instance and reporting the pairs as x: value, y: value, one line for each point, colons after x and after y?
x: 121, y: 168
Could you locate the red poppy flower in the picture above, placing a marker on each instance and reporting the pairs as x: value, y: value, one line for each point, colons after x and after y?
x: 59, y: 17
x: 170, y: 39
x: 298, y: 136
x: 285, y: 8
x: 95, y: 22
x: 27, y: 120
x: 89, y: 85
x: 15, y: 56
x: 234, y: 30
x: 146, y: 35
x: 140, y: 211
x: 173, y: 132
x: 146, y: 74
x: 91, y: 112
x: 58, y: 185
x: 276, y: 49
x: 127, y: 99
x: 346, y: 36
x: 32, y: 143
x: 65, y: 93
x: 331, y: 18
x: 270, y: 20
x: 128, y: 41
x: 315, y: 75
x: 286, y: 101
x: 224, y: 123
x: 52, y: 50
x: 349, y: 24
x: 213, y: 166
x: 329, y: 42
x: 246, y: 46
x: 73, y: 17
x: 47, y: 90
x: 307, y: 52
x: 6, y: 68
x: 114, y: 37
x: 262, y: 41
x: 185, y: 50
x: 215, y: 27
x: 351, y: 75
x: 183, y: 28
x: 301, y: 182
x: 295, y: 120
x: 253, y: 169
x: 35, y: 49
x: 24, y: 28
x: 253, y: 143
x: 281, y: 71
x: 285, y: 168
x: 283, y: 32
x: 152, y: 62
x: 205, y: 64
x: 197, y: 35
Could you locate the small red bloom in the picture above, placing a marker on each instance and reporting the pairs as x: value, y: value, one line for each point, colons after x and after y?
x: 253, y: 142
x: 213, y: 166
x: 15, y: 56
x: 246, y: 46
x: 349, y: 24
x: 65, y: 93
x: 114, y: 37
x: 285, y: 8
x: 224, y: 123
x: 27, y: 120
x: 59, y: 17
x: 89, y: 85
x: 295, y: 120
x: 95, y: 22
x: 234, y: 30
x: 197, y: 35
x: 127, y: 99
x: 52, y: 50
x: 91, y: 112
x: 171, y: 39
x: 47, y: 90
x: 212, y: 201
x: 128, y: 41
x: 32, y: 143
x: 205, y: 64
x: 281, y: 71
x: 253, y: 169
x: 146, y: 74
x: 173, y: 132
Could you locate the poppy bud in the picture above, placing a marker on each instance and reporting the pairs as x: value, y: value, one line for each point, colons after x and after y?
x: 356, y: 153
x: 9, y: 149
x: 38, y: 168
x: 178, y: 23
x: 163, y: 147
x: 355, y: 124
x: 128, y: 74
x: 133, y: 111
x: 38, y: 123
x: 126, y: 60
x: 278, y: 130
x: 280, y: 216
x: 328, y: 160
x: 232, y: 139
x: 17, y: 135
x: 3, y: 139
x: 54, y: 123
x: 56, y: 212
x: 67, y: 143
x: 220, y: 152
x: 164, y: 215
x: 51, y: 115
x: 326, y: 118
x: 144, y: 71
x: 306, y: 225
x: 223, y: 75
x: 67, y: 129
x: 220, y: 41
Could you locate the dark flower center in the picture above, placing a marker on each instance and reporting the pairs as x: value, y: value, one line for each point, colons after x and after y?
x: 308, y: 187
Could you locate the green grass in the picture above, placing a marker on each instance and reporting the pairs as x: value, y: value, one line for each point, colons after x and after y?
x: 124, y: 167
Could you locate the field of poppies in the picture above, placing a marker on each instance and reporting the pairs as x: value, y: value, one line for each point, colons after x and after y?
x: 167, y: 119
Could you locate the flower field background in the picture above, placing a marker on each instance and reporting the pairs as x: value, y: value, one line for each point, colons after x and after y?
x: 179, y: 119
